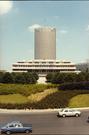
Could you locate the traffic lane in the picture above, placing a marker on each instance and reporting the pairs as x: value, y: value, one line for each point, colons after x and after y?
x: 49, y: 123
x: 44, y: 123
x: 68, y: 125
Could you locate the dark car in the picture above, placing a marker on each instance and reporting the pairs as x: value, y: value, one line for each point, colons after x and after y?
x: 16, y: 127
x: 88, y: 119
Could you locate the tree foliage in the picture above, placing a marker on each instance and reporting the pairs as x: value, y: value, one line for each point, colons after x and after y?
x: 58, y: 78
x: 49, y: 77
x: 1, y: 76
x: 7, y: 78
x: 23, y: 78
x: 19, y: 78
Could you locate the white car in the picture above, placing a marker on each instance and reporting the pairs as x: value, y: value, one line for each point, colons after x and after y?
x: 69, y: 112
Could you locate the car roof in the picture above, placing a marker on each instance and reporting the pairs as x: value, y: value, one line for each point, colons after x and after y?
x: 69, y: 109
x: 14, y: 122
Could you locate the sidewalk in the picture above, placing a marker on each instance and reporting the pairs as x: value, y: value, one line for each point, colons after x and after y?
x: 16, y: 111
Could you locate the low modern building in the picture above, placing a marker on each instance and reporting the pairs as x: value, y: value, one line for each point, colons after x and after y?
x: 43, y: 67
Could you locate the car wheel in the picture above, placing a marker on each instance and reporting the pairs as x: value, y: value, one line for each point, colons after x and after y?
x: 76, y: 114
x: 8, y: 132
x: 88, y: 121
x: 57, y: 115
x: 64, y: 115
x: 27, y: 131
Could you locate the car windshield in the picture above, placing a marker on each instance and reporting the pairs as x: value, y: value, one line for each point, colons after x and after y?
x: 61, y: 110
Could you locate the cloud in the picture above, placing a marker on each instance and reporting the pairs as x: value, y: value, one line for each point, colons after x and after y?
x: 87, y: 29
x: 63, y: 31
x: 5, y: 7
x: 34, y: 26
x: 56, y: 17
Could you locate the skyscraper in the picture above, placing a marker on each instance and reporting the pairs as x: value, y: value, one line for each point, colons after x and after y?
x: 45, y: 43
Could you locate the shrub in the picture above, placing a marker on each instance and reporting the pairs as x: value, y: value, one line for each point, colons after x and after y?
x: 74, y: 85
x: 7, y: 78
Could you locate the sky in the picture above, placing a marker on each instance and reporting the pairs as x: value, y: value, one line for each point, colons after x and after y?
x: 18, y: 19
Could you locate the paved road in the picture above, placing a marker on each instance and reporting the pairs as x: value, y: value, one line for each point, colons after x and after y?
x: 49, y: 123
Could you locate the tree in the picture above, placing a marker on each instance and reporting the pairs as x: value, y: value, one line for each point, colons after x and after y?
x: 1, y: 76
x: 80, y: 77
x: 49, y: 77
x: 86, y: 74
x: 7, y: 78
x: 58, y: 78
x: 35, y: 75
x: 14, y: 75
x: 70, y: 77
x: 19, y: 78
x: 29, y: 78
x: 32, y: 79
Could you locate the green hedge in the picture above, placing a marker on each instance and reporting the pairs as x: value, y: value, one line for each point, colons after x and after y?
x: 74, y: 85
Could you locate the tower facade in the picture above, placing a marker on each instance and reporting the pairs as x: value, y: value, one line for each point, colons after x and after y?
x: 45, y: 43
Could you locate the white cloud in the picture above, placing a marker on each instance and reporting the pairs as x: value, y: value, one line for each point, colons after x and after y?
x: 63, y: 31
x: 5, y: 7
x: 87, y: 29
x: 56, y: 17
x: 34, y: 26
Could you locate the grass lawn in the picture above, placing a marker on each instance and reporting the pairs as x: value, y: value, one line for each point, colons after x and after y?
x: 13, y: 98
x: 23, y: 89
x: 81, y: 100
x: 40, y: 96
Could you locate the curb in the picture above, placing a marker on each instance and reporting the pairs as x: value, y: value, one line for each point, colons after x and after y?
x: 16, y: 111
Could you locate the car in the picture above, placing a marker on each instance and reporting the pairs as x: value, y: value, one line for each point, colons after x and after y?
x: 69, y: 112
x: 88, y: 119
x: 16, y: 127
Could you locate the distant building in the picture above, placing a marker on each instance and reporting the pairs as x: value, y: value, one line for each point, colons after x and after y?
x: 45, y: 56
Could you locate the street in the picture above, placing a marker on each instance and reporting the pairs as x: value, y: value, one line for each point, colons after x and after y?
x: 49, y: 123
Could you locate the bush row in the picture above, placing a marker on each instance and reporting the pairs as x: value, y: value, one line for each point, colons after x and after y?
x: 74, y: 86
x: 31, y: 105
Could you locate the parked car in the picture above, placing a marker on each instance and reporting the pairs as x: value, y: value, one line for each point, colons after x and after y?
x: 16, y: 127
x: 69, y: 112
x: 88, y: 119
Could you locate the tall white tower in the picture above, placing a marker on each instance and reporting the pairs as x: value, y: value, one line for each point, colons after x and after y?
x: 45, y: 43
